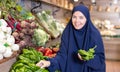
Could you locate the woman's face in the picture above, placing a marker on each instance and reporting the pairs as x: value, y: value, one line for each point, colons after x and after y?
x: 78, y: 20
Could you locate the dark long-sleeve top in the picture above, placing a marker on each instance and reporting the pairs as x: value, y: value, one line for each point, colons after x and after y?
x: 72, y: 40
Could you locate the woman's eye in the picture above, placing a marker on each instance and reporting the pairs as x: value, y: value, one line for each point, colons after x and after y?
x: 74, y: 17
x: 80, y: 17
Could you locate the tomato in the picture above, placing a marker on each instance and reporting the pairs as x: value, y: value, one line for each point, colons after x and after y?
x: 48, y: 51
x: 40, y: 49
x: 55, y: 50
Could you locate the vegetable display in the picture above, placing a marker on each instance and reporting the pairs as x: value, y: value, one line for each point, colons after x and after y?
x: 26, y: 61
x: 7, y: 41
x: 24, y: 36
x: 40, y: 37
x: 50, y: 25
x: 87, y: 55
x: 49, y: 52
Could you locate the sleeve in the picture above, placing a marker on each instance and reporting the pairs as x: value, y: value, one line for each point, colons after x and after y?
x: 98, y: 63
x: 59, y: 62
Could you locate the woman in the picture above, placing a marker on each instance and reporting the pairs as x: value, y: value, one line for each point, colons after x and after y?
x: 80, y: 33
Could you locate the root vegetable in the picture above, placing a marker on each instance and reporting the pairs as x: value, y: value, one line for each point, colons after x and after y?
x: 10, y: 24
x: 18, y: 26
x: 23, y: 24
x: 24, y: 31
x: 15, y: 34
x: 33, y: 25
x: 22, y: 35
x: 22, y: 43
x: 31, y: 32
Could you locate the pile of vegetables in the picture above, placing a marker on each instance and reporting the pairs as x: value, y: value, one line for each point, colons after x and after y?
x: 7, y: 41
x: 87, y: 55
x: 50, y: 25
x: 10, y: 7
x: 14, y: 9
x: 26, y: 61
x: 49, y: 52
x: 24, y: 36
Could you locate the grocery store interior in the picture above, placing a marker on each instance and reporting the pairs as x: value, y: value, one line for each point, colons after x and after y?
x: 39, y: 23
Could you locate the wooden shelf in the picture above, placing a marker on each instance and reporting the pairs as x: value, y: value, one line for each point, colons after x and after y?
x: 6, y: 59
x: 53, y: 4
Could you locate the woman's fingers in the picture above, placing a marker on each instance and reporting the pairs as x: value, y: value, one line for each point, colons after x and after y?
x: 43, y: 63
x: 79, y: 56
x: 39, y: 64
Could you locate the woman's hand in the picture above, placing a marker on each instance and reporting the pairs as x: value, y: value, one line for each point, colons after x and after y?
x: 79, y: 56
x: 43, y: 63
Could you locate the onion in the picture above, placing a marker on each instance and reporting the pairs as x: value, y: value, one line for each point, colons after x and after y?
x: 4, y: 28
x: 15, y: 47
x: 10, y: 40
x: 2, y: 36
x: 9, y: 30
x: 2, y: 48
x: 1, y: 56
x: 3, y: 22
x: 8, y: 52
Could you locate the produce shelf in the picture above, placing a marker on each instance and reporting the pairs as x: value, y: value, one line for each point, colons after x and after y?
x: 15, y: 53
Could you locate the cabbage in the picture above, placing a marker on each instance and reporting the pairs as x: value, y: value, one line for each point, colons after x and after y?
x: 40, y: 37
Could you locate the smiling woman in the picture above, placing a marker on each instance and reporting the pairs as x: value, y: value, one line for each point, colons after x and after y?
x: 78, y: 20
x: 80, y: 33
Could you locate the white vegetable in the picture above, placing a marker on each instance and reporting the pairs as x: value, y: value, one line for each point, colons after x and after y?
x: 9, y: 30
x: 8, y: 52
x: 2, y: 36
x: 15, y: 47
x: 2, y: 49
x: 1, y: 56
x: 3, y: 22
x: 10, y: 40
x: 8, y: 36
x: 4, y: 28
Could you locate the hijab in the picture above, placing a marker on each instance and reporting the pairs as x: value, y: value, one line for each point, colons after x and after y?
x: 82, y: 36
x: 86, y: 37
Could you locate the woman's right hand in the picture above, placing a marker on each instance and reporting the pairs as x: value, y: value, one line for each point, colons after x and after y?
x: 79, y: 56
x: 43, y: 63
